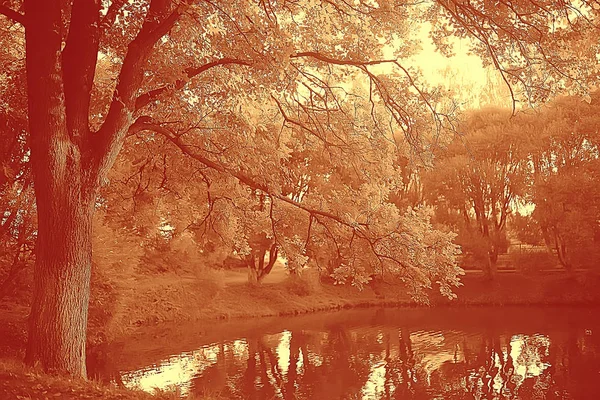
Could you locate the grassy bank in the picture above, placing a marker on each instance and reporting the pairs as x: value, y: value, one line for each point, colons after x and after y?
x: 20, y: 382
x: 181, y: 300
x: 548, y: 288
x: 152, y: 300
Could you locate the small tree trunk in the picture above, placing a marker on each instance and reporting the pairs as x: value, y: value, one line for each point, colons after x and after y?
x: 252, y: 272
x: 273, y: 253
x: 58, y: 319
x: 561, y: 252
x: 492, y: 261
x: 252, y: 277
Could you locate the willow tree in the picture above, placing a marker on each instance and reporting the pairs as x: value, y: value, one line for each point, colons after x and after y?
x: 100, y: 71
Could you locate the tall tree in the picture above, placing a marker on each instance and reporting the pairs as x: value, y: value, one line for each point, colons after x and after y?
x: 479, y: 178
x: 564, y: 156
x: 166, y: 59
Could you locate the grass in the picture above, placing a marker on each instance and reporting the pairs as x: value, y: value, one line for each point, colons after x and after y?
x: 20, y: 382
x: 540, y: 289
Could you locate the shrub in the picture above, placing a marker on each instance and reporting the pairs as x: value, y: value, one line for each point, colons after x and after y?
x: 210, y: 281
x: 298, y: 285
x: 585, y: 257
x: 532, y: 262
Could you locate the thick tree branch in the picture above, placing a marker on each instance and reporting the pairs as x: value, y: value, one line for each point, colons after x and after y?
x: 243, y: 179
x: 79, y: 59
x: 47, y: 126
x: 153, y: 95
x: 12, y: 14
x: 109, y: 139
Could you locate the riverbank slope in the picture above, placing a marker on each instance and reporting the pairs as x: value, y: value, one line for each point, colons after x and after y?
x: 152, y: 300
x: 19, y: 382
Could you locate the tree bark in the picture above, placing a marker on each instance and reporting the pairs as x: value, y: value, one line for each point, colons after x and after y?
x: 252, y: 275
x: 257, y: 270
x: 561, y: 251
x: 58, y: 320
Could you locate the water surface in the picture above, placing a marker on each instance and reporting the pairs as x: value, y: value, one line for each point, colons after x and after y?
x: 444, y: 353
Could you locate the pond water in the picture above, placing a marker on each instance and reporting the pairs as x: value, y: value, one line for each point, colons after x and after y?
x: 440, y: 353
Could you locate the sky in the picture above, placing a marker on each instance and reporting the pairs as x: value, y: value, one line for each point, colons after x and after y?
x: 432, y: 62
x: 466, y: 71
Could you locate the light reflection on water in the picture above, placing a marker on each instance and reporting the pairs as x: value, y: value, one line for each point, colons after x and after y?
x: 384, y: 361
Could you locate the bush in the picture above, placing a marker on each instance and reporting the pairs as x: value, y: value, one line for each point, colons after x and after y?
x: 210, y: 281
x: 532, y: 262
x: 160, y: 258
x: 585, y: 257
x: 104, y: 297
x: 298, y: 285
x: 312, y: 276
x: 180, y: 255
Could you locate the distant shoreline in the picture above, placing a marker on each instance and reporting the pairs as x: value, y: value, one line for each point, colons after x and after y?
x: 173, y: 299
x: 290, y: 298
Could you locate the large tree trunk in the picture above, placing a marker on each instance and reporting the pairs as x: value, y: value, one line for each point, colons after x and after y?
x: 58, y: 320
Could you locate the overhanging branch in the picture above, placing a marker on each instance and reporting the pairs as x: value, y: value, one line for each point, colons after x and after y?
x: 337, y: 61
x: 12, y: 14
x: 243, y: 179
x: 399, y: 112
x: 152, y: 95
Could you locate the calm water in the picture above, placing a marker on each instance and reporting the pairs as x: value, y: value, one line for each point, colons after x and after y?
x: 480, y: 353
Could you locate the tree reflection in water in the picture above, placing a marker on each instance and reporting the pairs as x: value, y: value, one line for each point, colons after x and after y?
x: 380, y: 361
